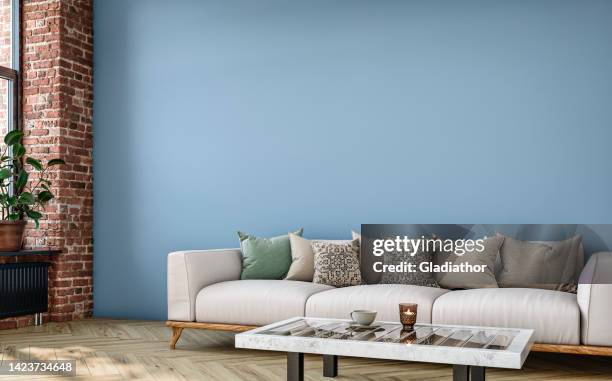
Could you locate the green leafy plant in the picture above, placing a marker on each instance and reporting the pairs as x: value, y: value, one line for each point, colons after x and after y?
x: 18, y: 197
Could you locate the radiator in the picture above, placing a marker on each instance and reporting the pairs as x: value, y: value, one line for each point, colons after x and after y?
x: 23, y: 288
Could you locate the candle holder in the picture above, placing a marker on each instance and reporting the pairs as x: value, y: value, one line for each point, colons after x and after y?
x: 408, y: 314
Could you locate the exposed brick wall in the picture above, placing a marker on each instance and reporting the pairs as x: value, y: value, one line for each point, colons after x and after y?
x: 57, y: 101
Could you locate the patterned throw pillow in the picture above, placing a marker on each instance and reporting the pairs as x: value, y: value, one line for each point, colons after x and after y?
x: 336, y: 264
x: 417, y: 278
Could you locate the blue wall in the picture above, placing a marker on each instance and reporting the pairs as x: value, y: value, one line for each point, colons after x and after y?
x: 213, y: 116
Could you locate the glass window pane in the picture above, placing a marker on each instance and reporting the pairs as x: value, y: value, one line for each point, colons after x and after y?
x: 5, y: 122
x: 6, y: 27
x: 4, y: 107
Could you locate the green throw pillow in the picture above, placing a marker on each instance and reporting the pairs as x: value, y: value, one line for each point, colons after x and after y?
x: 265, y: 258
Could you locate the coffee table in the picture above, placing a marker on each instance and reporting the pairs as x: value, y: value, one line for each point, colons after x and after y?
x: 469, y: 349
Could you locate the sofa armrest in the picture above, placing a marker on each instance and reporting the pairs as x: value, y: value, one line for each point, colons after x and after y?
x: 191, y: 271
x: 595, y: 300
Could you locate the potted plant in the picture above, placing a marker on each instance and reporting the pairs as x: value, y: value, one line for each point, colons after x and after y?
x: 19, y: 198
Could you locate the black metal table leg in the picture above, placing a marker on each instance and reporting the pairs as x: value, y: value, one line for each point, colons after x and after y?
x: 330, y: 365
x: 461, y: 373
x: 468, y: 373
x: 477, y: 373
x: 295, y: 366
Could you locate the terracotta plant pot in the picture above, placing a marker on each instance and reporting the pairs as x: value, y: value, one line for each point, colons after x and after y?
x: 11, y: 235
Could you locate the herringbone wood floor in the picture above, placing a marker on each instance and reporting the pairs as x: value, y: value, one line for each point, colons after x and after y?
x: 138, y: 350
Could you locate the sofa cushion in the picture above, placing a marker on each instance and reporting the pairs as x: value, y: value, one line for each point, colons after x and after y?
x: 553, y: 315
x: 254, y: 302
x: 383, y: 298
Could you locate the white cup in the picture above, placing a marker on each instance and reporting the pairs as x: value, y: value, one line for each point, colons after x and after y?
x: 363, y: 317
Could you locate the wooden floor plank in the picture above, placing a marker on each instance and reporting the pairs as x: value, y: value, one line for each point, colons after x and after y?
x: 129, y: 366
x: 100, y: 364
x: 109, y: 350
x: 16, y: 352
x: 77, y: 356
x: 160, y: 369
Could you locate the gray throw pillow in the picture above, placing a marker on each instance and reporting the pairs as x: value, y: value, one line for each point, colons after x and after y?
x: 336, y: 264
x: 467, y: 280
x: 417, y: 278
x: 547, y: 265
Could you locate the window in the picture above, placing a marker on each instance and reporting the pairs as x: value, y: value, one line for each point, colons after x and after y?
x: 9, y: 65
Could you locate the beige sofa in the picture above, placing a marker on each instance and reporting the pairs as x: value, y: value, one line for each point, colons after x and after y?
x: 204, y: 291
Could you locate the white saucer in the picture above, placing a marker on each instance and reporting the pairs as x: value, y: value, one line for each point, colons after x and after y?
x: 357, y: 325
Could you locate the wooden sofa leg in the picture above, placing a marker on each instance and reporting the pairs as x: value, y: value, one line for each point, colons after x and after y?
x: 178, y: 326
x: 176, y: 335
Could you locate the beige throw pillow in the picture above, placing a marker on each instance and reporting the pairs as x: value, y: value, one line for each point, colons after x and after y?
x: 547, y: 265
x: 487, y: 257
x: 302, y: 264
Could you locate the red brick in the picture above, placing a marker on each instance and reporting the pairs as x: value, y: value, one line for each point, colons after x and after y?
x: 8, y: 323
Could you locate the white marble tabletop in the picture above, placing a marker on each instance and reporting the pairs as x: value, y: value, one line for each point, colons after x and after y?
x: 447, y: 344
